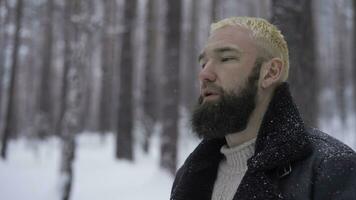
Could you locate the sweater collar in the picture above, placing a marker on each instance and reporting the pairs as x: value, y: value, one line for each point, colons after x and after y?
x: 236, y: 157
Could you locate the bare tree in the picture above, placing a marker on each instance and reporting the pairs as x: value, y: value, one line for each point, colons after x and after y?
x: 90, y: 25
x: 190, y: 84
x: 354, y: 58
x: 68, y: 142
x: 72, y: 96
x: 214, y: 10
x: 124, y: 139
x: 340, y: 27
x: 107, y: 64
x: 67, y: 52
x: 354, y: 62
x: 10, y: 113
x: 4, y: 38
x: 171, y: 88
x: 150, y: 86
x: 295, y: 20
x: 45, y: 112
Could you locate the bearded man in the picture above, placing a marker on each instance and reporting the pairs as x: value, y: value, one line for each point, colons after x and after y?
x: 255, y: 144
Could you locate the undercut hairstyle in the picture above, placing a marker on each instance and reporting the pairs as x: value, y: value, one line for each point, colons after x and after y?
x: 269, y: 39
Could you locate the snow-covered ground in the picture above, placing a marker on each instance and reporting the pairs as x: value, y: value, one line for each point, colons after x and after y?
x: 31, y: 171
x: 32, y: 168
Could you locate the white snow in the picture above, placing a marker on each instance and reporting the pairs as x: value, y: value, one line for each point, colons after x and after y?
x: 32, y: 172
x: 32, y: 168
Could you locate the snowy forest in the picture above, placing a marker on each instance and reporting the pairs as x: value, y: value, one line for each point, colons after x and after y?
x: 95, y: 96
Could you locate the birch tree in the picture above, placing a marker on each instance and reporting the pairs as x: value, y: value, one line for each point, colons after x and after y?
x: 75, y: 44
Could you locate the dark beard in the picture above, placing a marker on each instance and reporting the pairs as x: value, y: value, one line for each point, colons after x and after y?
x: 230, y: 113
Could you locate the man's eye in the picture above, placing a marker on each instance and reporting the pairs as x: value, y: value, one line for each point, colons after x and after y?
x: 227, y: 59
x: 202, y: 65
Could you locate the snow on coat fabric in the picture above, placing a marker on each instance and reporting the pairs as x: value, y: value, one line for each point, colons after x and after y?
x: 290, y: 162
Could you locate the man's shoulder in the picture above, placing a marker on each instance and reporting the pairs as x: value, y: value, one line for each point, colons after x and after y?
x: 326, y: 144
x: 326, y: 148
x: 335, y: 167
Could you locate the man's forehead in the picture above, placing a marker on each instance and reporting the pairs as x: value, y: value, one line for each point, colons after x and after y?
x: 221, y: 48
x: 233, y: 37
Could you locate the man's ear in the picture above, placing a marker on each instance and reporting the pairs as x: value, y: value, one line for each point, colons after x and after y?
x: 272, y: 72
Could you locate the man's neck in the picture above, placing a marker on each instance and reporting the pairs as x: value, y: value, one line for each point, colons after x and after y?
x: 253, y: 125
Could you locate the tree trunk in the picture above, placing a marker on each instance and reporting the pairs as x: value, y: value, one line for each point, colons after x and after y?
x: 124, y: 139
x: 4, y: 40
x: 89, y: 82
x: 67, y: 52
x: 108, y: 64
x: 214, y: 10
x: 68, y: 142
x: 170, y: 115
x: 354, y: 66
x: 45, y: 96
x: 191, y: 69
x: 295, y: 20
x: 150, y: 90
x: 10, y: 117
x: 341, y: 60
x: 354, y: 56
x: 72, y: 95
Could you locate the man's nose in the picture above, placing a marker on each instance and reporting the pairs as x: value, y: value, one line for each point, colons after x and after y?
x: 207, y: 73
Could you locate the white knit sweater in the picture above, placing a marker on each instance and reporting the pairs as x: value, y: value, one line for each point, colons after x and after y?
x: 232, y: 169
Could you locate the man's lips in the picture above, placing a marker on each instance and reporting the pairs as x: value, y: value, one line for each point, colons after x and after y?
x: 211, y: 97
x: 210, y: 93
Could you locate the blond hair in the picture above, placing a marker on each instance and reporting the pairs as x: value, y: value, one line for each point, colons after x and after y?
x: 268, y: 37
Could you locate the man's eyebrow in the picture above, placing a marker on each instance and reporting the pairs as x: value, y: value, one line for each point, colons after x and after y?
x: 221, y: 50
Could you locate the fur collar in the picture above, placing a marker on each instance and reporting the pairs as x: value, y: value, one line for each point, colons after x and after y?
x: 282, y: 140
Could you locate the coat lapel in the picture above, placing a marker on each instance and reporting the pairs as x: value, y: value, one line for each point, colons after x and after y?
x: 282, y: 140
x: 199, y: 172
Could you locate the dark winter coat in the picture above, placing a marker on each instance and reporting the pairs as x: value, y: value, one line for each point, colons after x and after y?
x: 290, y: 162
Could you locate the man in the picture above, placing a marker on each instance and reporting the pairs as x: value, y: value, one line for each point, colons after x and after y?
x: 255, y: 144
